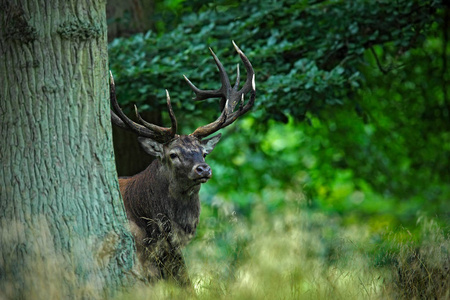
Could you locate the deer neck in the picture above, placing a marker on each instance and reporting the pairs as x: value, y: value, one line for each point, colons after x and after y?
x: 180, y: 205
x: 169, y: 195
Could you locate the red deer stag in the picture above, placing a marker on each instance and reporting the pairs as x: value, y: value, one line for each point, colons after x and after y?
x: 162, y: 202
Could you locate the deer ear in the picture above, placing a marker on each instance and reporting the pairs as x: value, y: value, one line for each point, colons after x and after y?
x: 210, y: 143
x: 151, y: 147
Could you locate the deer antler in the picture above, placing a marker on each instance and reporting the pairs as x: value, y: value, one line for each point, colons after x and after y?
x: 230, y: 96
x: 145, y: 129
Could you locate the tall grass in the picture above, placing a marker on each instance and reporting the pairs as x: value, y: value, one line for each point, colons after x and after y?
x: 420, y: 269
x: 288, y: 256
x: 297, y: 254
x: 292, y: 253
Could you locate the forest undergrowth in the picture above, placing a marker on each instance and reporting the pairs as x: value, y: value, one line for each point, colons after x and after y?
x: 299, y: 254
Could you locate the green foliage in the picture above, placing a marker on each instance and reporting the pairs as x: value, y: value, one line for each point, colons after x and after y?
x: 320, y: 62
x: 306, y: 56
x: 386, y: 166
x: 370, y: 79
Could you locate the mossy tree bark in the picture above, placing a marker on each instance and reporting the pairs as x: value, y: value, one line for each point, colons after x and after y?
x: 63, y: 228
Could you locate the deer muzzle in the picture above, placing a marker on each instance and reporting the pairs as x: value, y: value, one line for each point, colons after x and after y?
x: 201, y: 173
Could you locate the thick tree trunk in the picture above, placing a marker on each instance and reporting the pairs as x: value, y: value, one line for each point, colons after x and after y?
x: 63, y: 229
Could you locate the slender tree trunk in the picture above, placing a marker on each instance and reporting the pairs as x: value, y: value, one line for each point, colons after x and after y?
x: 130, y: 158
x: 129, y: 17
x: 63, y: 227
x: 126, y: 18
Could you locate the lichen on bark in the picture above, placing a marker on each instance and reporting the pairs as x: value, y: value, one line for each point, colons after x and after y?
x: 76, y: 30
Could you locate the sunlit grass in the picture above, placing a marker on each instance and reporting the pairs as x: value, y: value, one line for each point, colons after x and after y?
x: 282, y: 256
x: 289, y: 253
x: 297, y: 254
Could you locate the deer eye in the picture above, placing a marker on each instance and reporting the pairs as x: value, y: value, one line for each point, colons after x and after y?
x: 204, y: 155
x: 173, y: 155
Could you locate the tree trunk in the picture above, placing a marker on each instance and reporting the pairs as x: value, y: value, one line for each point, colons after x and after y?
x: 129, y: 17
x: 126, y: 18
x: 130, y: 158
x: 63, y: 228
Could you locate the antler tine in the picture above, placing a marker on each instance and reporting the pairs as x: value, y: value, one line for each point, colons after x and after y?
x: 232, y: 95
x: 209, y: 129
x: 173, y: 120
x: 242, y: 108
x: 119, y: 118
x: 157, y: 133
x: 226, y: 86
x: 238, y: 78
x: 163, y: 131
x: 202, y: 94
x: 207, y: 94
x: 250, y: 77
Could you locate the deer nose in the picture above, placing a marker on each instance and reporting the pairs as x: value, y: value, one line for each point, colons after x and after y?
x: 203, y: 170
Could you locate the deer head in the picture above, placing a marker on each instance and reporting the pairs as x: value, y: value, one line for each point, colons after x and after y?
x: 185, y: 154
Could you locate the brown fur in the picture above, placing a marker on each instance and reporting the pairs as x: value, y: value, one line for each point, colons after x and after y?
x: 163, y: 206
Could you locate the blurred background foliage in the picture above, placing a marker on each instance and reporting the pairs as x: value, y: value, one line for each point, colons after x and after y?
x: 352, y: 115
x: 352, y: 103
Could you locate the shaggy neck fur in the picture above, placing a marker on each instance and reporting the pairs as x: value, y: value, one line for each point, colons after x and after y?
x: 161, y: 207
